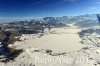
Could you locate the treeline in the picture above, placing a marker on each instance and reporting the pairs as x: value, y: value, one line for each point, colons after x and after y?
x: 13, y: 36
x: 89, y: 32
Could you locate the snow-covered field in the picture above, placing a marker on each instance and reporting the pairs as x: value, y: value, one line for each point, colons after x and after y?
x: 59, y: 47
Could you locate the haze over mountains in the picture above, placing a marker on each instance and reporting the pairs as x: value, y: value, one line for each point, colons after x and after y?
x: 63, y: 18
x: 84, y: 21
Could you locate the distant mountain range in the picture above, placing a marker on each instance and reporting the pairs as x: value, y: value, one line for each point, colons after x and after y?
x: 83, y: 21
x: 76, y: 18
x: 80, y: 21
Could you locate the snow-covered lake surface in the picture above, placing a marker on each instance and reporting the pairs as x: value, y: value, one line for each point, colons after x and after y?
x: 59, y: 40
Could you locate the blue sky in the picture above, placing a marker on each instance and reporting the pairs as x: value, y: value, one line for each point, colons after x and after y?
x: 25, y: 9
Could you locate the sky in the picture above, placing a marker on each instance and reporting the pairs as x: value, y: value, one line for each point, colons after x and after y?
x: 25, y: 9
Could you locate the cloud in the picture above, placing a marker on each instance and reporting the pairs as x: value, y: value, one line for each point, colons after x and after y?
x: 96, y: 2
x: 61, y: 2
x: 38, y: 2
x: 70, y: 0
x: 92, y: 8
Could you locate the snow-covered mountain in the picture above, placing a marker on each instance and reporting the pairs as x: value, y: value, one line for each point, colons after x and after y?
x: 68, y: 19
x: 83, y: 21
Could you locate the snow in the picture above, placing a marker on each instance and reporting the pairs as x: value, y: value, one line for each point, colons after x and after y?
x: 64, y: 44
x: 30, y: 58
